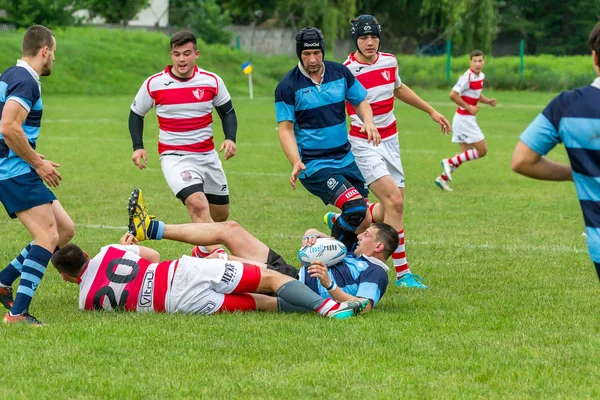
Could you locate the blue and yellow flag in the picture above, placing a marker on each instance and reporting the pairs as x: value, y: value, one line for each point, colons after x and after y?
x: 247, y: 67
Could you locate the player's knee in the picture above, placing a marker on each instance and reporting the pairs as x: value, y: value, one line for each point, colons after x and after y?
x: 394, y: 204
x: 197, y: 207
x: 66, y: 233
x: 353, y: 214
x: 219, y: 214
x: 482, y: 150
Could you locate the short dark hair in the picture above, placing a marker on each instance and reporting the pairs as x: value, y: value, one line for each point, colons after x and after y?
x: 594, y: 41
x: 476, y: 53
x: 388, y: 235
x: 35, y: 38
x: 69, y: 260
x: 181, y: 38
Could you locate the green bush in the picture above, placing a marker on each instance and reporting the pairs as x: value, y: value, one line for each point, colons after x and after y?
x: 544, y: 73
x: 101, y: 61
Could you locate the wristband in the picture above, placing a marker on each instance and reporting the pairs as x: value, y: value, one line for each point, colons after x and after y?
x: 331, y: 287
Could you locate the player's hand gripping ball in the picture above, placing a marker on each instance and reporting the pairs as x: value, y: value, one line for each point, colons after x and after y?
x: 327, y: 250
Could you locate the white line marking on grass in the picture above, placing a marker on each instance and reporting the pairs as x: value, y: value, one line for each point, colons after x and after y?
x: 433, y: 103
x: 83, y: 120
x: 440, y: 244
x: 92, y: 226
x: 280, y: 174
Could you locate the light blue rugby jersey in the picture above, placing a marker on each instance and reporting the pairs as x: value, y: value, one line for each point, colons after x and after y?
x: 358, y: 276
x: 573, y: 118
x: 21, y: 84
x: 319, y: 115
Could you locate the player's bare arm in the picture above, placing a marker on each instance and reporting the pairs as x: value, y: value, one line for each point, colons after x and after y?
x: 408, y: 96
x: 365, y: 113
x: 145, y: 252
x: 455, y: 97
x: 527, y: 162
x: 487, y: 100
x: 318, y: 270
x: 290, y: 148
x: 13, y: 117
x: 136, y: 130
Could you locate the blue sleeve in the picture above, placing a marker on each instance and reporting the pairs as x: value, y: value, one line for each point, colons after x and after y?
x: 356, y: 92
x: 285, y: 100
x: 372, y: 283
x: 25, y: 92
x: 542, y: 134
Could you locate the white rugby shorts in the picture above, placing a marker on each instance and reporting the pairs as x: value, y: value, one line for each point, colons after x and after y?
x: 375, y: 162
x: 185, y: 170
x: 465, y: 129
x: 200, y: 285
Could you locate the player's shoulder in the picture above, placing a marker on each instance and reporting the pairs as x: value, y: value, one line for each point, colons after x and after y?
x: 575, y: 103
x: 290, y: 79
x: 158, y: 77
x: 334, y: 66
x: 202, y: 73
x: 386, y: 56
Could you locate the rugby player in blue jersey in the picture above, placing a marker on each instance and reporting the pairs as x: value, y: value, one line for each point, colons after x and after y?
x: 310, y: 111
x: 23, y: 173
x: 572, y: 118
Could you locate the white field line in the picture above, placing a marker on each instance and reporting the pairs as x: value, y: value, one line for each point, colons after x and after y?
x: 440, y: 244
x: 433, y: 103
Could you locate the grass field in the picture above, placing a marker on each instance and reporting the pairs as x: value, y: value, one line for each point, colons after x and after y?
x: 511, y: 311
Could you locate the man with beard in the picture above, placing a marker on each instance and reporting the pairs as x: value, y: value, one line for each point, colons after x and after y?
x: 23, y: 172
x: 310, y: 111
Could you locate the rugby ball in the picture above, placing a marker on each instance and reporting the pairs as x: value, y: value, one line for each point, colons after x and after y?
x: 327, y: 250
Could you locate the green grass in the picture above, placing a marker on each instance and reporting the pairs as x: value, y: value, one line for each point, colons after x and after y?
x: 511, y: 311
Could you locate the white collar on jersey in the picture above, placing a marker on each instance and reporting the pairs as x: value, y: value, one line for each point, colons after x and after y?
x: 21, y: 63
x: 301, y: 68
x: 378, y: 262
x: 596, y: 83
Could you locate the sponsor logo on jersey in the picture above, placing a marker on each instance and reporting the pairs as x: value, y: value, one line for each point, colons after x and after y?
x: 168, y: 83
x: 145, y: 298
x: 386, y: 75
x: 229, y: 274
x: 207, y: 308
x: 350, y: 193
x: 186, y: 176
x: 331, y: 183
x: 359, y: 68
x: 198, y: 93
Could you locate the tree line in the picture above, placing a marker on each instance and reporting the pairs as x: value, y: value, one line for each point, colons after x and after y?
x: 413, y: 26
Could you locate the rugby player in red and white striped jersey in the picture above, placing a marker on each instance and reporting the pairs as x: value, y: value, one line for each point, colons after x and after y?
x: 466, y: 94
x: 184, y: 96
x: 129, y: 277
x: 381, y: 165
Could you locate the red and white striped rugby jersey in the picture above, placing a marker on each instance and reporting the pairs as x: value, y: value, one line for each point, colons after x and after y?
x: 469, y: 87
x: 118, y: 277
x: 183, y: 107
x: 380, y: 79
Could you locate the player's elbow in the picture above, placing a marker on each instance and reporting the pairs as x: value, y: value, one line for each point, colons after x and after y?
x: 518, y: 163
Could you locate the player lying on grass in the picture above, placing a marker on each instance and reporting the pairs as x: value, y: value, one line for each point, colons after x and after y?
x: 132, y: 278
x: 361, y: 275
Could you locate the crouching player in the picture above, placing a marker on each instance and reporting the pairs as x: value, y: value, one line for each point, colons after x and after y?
x: 359, y: 277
